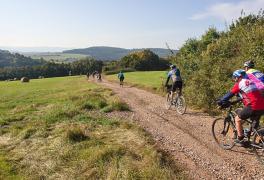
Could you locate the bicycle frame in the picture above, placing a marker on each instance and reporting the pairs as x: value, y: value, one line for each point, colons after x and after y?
x: 231, y: 118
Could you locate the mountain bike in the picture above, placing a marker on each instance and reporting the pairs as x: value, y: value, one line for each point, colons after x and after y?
x: 225, y: 133
x: 174, y: 99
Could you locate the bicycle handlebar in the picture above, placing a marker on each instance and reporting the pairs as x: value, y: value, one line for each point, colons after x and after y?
x: 236, y: 101
x: 228, y: 104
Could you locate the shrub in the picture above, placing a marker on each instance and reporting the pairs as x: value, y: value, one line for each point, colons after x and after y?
x: 207, y: 63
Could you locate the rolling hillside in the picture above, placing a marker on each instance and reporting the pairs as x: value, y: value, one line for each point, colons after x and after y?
x: 8, y: 59
x: 56, y: 56
x: 113, y: 53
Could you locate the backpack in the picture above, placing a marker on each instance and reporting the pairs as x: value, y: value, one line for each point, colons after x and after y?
x: 256, y: 77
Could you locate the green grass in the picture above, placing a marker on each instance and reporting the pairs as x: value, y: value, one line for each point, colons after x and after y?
x: 151, y: 80
x: 60, y: 57
x: 59, y: 128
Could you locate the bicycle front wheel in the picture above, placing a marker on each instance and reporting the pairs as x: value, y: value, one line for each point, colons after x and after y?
x: 181, y: 105
x: 224, y: 133
x: 258, y: 145
x: 168, y: 101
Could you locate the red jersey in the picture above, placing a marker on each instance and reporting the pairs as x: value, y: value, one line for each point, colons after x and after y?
x: 250, y: 94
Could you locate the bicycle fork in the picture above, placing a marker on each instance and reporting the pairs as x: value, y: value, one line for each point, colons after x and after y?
x: 227, y: 124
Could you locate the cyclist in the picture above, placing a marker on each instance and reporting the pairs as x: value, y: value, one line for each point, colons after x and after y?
x: 251, y: 98
x: 121, y: 77
x: 175, y: 76
x: 254, y: 75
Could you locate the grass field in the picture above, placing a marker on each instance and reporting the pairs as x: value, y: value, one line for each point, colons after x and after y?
x: 151, y: 80
x: 60, y: 128
x: 56, y: 56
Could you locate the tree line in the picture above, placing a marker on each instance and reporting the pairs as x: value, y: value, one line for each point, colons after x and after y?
x: 52, y: 69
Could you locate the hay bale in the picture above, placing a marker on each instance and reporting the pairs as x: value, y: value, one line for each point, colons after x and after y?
x: 24, y: 79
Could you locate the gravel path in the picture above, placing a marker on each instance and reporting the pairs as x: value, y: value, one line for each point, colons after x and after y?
x: 188, y: 138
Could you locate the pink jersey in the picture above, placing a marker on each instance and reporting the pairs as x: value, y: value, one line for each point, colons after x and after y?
x: 250, y: 93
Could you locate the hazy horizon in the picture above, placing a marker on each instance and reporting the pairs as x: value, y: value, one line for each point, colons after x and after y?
x: 54, y: 49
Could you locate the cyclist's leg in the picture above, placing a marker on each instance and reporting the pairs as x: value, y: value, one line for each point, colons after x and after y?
x: 256, y: 115
x: 242, y: 114
x: 122, y: 81
x: 180, y: 87
x: 173, y: 89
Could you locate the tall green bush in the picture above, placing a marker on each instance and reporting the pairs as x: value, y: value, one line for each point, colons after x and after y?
x: 207, y: 63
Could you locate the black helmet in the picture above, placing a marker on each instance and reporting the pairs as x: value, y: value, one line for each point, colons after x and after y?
x: 249, y: 64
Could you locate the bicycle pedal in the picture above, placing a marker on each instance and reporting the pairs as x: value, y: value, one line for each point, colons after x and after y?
x: 245, y: 144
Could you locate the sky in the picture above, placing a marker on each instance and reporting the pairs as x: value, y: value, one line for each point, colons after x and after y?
x: 66, y: 24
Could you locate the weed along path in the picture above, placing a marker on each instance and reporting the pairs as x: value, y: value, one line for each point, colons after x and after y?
x: 187, y: 138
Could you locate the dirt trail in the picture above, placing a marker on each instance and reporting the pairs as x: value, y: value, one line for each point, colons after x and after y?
x: 188, y: 138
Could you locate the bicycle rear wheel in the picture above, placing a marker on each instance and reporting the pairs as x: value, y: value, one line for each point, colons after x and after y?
x: 224, y: 133
x: 180, y: 105
x: 258, y: 145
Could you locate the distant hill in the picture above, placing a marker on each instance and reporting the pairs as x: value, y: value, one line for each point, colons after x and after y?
x: 55, y: 56
x: 8, y: 59
x: 113, y: 53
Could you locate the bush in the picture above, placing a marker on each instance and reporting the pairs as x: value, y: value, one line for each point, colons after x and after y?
x: 207, y: 63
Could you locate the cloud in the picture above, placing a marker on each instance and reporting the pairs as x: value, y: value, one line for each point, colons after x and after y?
x: 230, y: 11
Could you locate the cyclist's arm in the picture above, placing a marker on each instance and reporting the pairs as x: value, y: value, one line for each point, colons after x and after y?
x: 235, y: 90
x: 227, y: 96
x: 168, y: 78
x: 178, y: 73
x: 167, y: 81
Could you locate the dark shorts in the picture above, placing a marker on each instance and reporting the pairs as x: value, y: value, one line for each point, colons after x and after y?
x: 175, y: 85
x: 247, y: 112
x: 121, y: 78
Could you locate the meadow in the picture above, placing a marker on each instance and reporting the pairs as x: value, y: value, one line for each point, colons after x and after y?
x: 62, y: 128
x: 56, y: 56
x: 150, y: 80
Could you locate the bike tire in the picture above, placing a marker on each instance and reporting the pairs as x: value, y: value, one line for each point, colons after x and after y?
x: 180, y: 105
x: 258, y: 145
x: 224, y: 137
x: 168, y: 102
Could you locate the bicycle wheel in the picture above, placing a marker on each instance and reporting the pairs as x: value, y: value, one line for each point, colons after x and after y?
x: 168, y: 101
x: 180, y: 105
x: 224, y: 133
x: 258, y: 145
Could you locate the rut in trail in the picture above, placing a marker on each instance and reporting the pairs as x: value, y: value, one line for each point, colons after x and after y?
x: 188, y: 138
